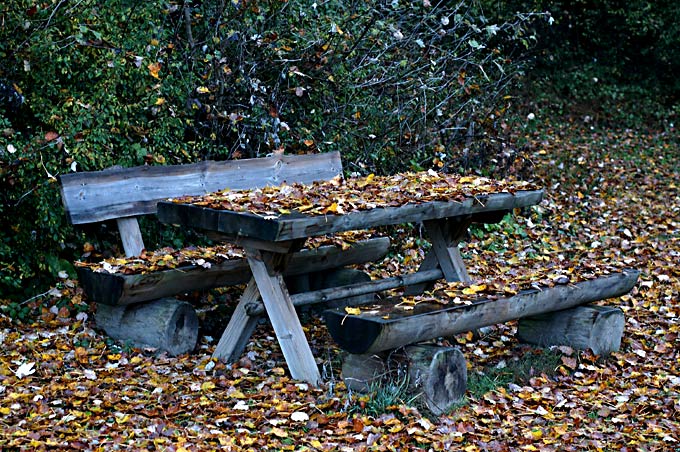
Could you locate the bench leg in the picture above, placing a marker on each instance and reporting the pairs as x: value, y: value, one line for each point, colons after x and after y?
x: 598, y: 328
x: 240, y: 327
x: 283, y: 317
x: 445, y: 255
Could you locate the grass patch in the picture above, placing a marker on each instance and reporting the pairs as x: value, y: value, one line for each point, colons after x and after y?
x: 535, y: 362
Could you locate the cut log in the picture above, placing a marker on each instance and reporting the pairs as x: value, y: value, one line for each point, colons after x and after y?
x: 167, y: 324
x: 437, y: 376
x: 439, y: 373
x: 362, y: 373
x: 598, y: 328
x: 119, y: 289
x: 371, y: 332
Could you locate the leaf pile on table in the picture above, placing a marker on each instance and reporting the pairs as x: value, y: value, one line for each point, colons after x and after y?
x: 500, y: 280
x: 341, y: 196
x: 205, y: 256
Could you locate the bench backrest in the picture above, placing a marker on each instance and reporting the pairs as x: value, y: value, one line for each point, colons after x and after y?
x: 125, y: 193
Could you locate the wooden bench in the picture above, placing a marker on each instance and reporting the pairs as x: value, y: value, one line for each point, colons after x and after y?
x: 134, y: 307
x: 390, y: 337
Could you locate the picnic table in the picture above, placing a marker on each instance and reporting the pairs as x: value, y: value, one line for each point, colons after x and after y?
x: 271, y: 235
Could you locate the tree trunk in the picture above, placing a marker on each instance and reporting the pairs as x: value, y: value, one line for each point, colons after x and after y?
x: 598, y: 328
x: 166, y: 324
x: 439, y: 373
x: 437, y: 376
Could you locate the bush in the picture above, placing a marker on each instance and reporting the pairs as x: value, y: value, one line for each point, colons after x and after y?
x: 393, y: 86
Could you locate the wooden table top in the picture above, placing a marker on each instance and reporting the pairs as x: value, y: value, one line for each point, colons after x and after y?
x: 296, y: 225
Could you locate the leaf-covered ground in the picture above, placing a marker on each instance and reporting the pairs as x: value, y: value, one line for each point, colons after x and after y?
x: 612, y: 197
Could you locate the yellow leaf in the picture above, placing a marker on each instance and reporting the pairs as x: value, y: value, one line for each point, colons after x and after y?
x: 154, y: 69
x: 352, y: 311
x: 367, y: 180
x: 202, y: 90
x: 474, y: 288
x: 333, y: 208
x: 284, y: 211
x: 316, y: 444
x: 207, y: 386
x: 160, y: 101
x: 467, y: 179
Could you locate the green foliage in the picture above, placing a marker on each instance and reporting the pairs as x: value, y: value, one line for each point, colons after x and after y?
x: 393, y: 86
x: 619, y: 59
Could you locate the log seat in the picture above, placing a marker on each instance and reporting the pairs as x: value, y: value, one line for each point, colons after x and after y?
x: 394, y: 323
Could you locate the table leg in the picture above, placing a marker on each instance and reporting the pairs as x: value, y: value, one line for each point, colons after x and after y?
x: 283, y: 317
x: 240, y: 327
x: 444, y: 235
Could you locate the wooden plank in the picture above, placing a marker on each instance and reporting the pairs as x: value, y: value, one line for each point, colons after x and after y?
x: 241, y: 326
x: 127, y: 192
x: 353, y: 290
x: 371, y: 333
x: 131, y: 236
x: 119, y: 289
x: 445, y: 236
x: 295, y: 226
x: 429, y: 263
x: 284, y: 319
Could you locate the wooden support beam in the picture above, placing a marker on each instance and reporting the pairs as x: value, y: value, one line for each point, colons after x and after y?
x: 445, y: 236
x: 240, y: 327
x: 371, y: 332
x: 283, y: 318
x: 131, y: 236
x: 598, y: 328
x: 353, y: 290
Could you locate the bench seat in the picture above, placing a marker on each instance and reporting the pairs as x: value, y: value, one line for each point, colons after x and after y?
x: 457, y: 307
x: 166, y: 272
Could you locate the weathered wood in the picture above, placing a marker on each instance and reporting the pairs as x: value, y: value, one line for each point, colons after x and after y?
x: 240, y: 328
x: 429, y: 263
x: 96, y: 196
x: 340, y: 277
x: 370, y: 332
x: 362, y: 373
x: 439, y: 374
x: 167, y: 324
x: 445, y: 236
x: 119, y: 289
x: 354, y: 290
x: 283, y: 318
x: 131, y: 236
x: 296, y: 225
x: 598, y: 328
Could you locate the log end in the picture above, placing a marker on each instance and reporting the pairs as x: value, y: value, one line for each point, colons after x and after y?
x: 440, y: 373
